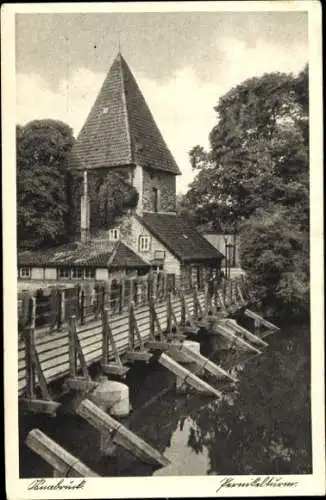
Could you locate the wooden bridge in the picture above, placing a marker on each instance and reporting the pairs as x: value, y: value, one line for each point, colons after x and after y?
x: 80, y: 326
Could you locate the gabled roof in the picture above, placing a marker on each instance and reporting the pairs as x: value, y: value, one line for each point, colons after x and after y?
x: 120, y: 129
x: 178, y: 236
x: 106, y: 254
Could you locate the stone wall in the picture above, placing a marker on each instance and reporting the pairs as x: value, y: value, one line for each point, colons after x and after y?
x: 165, y: 183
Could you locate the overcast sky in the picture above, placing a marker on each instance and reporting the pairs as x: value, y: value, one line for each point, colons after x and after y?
x: 183, y: 63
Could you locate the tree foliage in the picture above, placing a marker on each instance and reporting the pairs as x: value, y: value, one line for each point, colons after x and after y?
x: 257, y: 167
x: 275, y: 253
x: 42, y: 179
x: 115, y: 195
x: 48, y: 191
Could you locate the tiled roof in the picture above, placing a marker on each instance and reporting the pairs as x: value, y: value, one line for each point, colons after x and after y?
x: 106, y: 254
x: 120, y: 129
x: 182, y: 239
x: 125, y: 257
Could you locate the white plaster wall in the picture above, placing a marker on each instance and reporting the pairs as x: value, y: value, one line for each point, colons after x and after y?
x: 101, y: 274
x: 37, y: 273
x: 50, y: 273
x: 171, y: 264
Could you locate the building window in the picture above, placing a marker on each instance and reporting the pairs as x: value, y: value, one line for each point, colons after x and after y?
x: 144, y: 243
x: 89, y: 273
x: 76, y: 272
x: 25, y: 272
x: 159, y: 255
x: 155, y: 199
x: 114, y: 234
x: 64, y: 272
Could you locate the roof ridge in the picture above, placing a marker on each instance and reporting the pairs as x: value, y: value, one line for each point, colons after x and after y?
x: 124, y: 101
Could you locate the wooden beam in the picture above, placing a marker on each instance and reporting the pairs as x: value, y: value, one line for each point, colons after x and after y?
x: 107, y: 340
x: 262, y: 320
x: 204, y: 363
x: 187, y: 376
x: 115, y: 369
x: 122, y: 436
x: 33, y: 370
x: 138, y: 356
x: 29, y: 336
x: 242, y: 300
x: 245, y: 333
x: 72, y: 349
x: 157, y: 345
x: 234, y: 340
x: 74, y: 382
x: 169, y: 314
x: 80, y: 384
x: 57, y: 457
x: 39, y: 406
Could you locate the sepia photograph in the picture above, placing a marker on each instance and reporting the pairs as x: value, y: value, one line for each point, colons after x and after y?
x: 163, y: 228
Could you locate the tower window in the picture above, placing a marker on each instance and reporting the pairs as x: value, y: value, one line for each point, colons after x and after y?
x: 114, y: 234
x: 155, y: 199
x: 144, y: 243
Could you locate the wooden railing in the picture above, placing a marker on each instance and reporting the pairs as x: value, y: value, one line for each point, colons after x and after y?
x: 86, y: 301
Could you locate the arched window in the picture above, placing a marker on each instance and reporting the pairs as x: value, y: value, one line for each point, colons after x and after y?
x: 155, y: 199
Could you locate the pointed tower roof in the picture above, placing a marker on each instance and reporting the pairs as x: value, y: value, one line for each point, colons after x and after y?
x: 120, y: 129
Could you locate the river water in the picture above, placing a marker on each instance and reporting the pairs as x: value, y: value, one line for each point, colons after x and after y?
x: 261, y: 425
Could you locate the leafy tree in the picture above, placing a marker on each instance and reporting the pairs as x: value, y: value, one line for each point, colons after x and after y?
x: 42, y: 181
x: 259, y: 150
x: 255, y: 179
x: 274, y: 252
x: 111, y: 195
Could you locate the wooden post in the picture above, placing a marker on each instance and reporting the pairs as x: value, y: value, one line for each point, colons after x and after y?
x: 195, y: 304
x: 29, y: 343
x: 183, y: 308
x: 33, y: 369
x: 207, y: 301
x: 169, y: 314
x: 108, y: 368
x: 122, y: 295
x: 84, y: 382
x: 82, y: 307
x: 77, y: 288
x: 105, y: 337
x: 63, y: 463
x: 102, y: 299
x: 62, y: 307
x: 72, y: 347
x: 131, y: 341
x: 151, y: 319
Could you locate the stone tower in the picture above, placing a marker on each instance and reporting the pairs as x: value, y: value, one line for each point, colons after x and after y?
x: 120, y: 133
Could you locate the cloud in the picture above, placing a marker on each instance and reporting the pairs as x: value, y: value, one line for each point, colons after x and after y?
x: 182, y: 105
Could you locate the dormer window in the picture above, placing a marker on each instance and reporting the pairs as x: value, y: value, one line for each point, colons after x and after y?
x: 114, y: 234
x: 144, y: 243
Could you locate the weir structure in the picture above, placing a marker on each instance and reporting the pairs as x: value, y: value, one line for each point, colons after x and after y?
x: 79, y: 328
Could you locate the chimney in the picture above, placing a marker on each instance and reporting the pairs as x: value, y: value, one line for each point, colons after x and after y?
x: 84, y: 212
